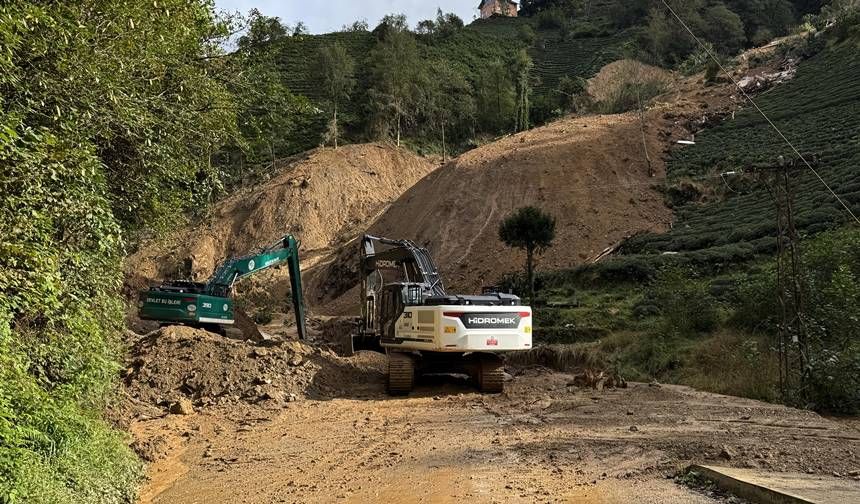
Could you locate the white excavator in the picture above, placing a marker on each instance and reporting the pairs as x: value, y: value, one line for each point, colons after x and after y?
x: 407, y: 313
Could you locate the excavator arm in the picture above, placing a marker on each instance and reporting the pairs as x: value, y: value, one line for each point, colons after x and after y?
x: 220, y: 286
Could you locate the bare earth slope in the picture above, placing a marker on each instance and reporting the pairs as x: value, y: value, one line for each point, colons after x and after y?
x: 323, y: 198
x: 589, y: 172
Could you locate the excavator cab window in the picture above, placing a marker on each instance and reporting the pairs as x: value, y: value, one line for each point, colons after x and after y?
x: 392, y: 307
x: 414, y: 295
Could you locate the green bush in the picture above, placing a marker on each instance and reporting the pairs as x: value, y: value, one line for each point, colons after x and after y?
x: 59, y: 317
x: 686, y: 305
x: 832, y: 301
x: 550, y: 19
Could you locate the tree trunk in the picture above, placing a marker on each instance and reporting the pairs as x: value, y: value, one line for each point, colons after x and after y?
x: 530, y: 271
x: 443, y: 141
x: 398, y: 129
x: 335, y: 126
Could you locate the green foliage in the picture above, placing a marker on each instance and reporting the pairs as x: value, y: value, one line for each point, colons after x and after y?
x: 727, y: 26
x: 712, y: 71
x: 724, y: 29
x: 776, y: 16
x: 529, y: 228
x: 551, y: 18
x: 391, y: 24
x: 522, y: 66
x: 571, y: 93
x: 832, y: 299
x: 395, y: 77
x: 59, y: 254
x: 532, y: 230
x: 526, y: 34
x: 336, y: 74
x: 109, y: 113
x: 268, y: 113
x: 624, y: 14
x: 448, y: 101
x: 443, y: 27
x: 153, y: 121
x: 496, y: 98
x: 686, y: 304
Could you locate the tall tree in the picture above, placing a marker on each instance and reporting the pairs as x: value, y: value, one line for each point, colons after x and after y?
x: 496, y: 98
x: 267, y: 110
x: 449, y: 102
x: 336, y: 73
x: 394, y: 74
x: 522, y: 67
x: 532, y: 230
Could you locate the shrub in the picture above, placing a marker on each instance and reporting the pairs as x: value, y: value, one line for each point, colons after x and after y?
x: 550, y: 19
x: 687, y: 306
x: 712, y: 72
x: 762, y: 36
x: 624, y: 85
x: 526, y: 34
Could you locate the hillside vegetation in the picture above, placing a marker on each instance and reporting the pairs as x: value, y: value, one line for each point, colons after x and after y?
x: 550, y: 50
x: 107, y: 112
x: 719, y: 253
x: 122, y: 121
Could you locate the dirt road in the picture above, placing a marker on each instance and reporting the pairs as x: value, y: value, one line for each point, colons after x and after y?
x: 542, y: 441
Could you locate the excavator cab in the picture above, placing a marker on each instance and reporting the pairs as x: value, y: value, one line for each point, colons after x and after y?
x: 395, y: 298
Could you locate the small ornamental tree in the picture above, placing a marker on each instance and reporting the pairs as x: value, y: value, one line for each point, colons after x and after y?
x: 532, y: 230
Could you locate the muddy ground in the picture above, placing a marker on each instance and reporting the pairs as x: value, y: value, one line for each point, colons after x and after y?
x: 336, y: 436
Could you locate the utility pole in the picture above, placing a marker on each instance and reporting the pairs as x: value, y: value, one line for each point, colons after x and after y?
x: 791, y: 332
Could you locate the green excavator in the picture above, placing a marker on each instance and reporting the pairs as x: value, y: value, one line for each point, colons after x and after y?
x: 208, y: 305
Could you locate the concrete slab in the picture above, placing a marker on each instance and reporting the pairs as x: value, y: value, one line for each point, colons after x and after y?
x: 763, y: 487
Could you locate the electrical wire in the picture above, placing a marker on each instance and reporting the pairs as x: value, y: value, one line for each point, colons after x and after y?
x: 754, y: 104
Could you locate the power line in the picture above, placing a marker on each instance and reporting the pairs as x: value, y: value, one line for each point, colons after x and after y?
x: 754, y: 104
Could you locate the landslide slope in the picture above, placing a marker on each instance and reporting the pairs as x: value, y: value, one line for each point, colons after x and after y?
x: 323, y: 197
x: 589, y: 172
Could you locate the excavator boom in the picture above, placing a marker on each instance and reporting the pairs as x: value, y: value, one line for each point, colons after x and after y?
x: 210, y: 303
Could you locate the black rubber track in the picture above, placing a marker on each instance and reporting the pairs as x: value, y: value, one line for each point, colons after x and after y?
x: 401, y: 373
x: 491, y: 375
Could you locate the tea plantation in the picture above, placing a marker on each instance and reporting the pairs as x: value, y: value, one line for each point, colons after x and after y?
x: 819, y: 111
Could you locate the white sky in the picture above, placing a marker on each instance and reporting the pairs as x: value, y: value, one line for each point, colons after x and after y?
x: 326, y: 16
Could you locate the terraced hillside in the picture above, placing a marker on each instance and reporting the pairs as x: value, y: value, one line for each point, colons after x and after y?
x: 819, y: 111
x: 579, y: 57
x: 296, y: 62
x: 469, y: 50
x: 591, y: 45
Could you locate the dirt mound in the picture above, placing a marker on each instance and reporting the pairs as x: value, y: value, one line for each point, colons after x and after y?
x: 589, y: 172
x: 177, y: 363
x: 322, y: 198
x: 615, y: 75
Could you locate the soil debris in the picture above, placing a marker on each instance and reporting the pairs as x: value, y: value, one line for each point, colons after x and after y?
x: 185, y: 368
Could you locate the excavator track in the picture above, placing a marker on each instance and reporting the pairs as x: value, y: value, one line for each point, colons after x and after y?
x: 491, y: 374
x: 401, y: 373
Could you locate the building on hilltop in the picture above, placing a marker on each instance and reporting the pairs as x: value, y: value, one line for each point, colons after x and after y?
x: 491, y: 8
